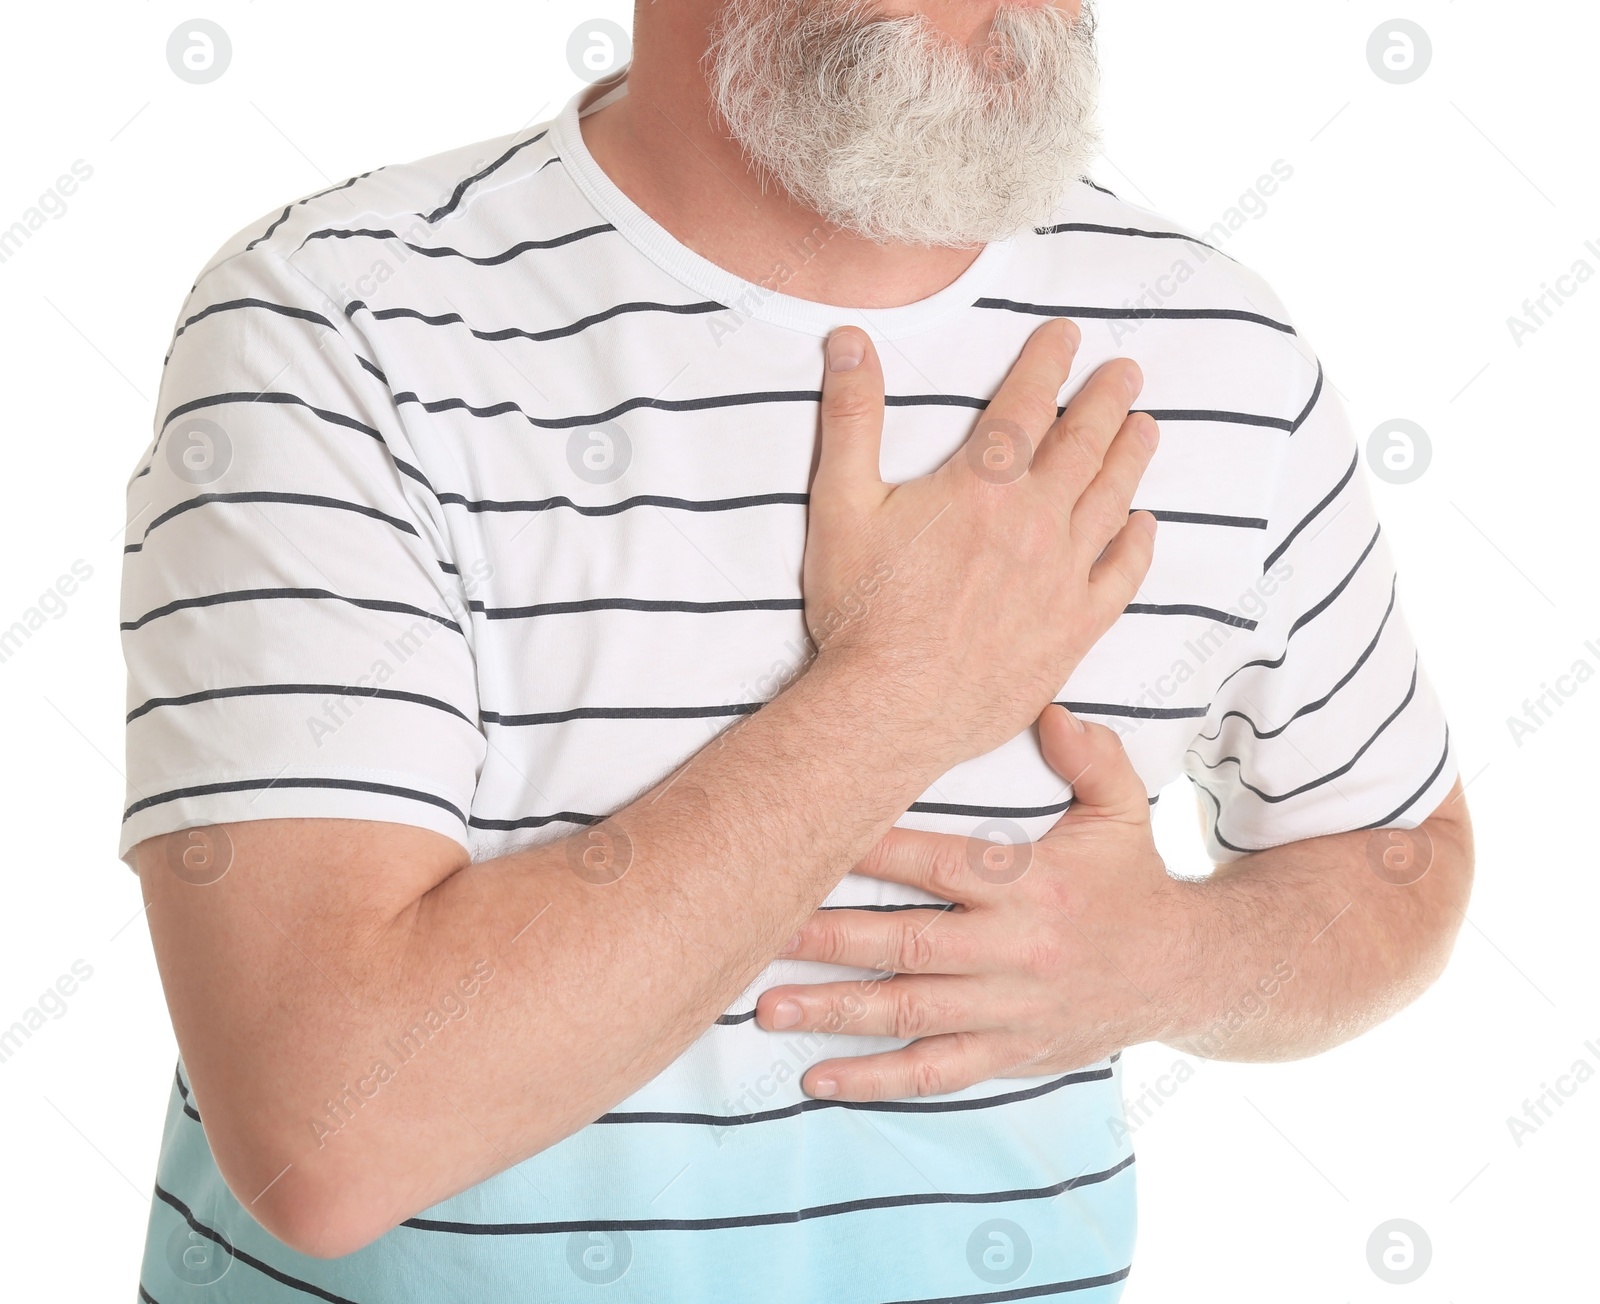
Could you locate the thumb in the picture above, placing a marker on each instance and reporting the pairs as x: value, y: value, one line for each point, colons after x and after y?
x: 852, y: 424
x: 1092, y: 759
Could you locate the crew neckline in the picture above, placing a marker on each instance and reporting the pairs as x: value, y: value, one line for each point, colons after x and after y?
x: 748, y: 298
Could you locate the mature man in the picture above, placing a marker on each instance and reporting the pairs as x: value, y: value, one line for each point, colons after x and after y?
x: 540, y: 909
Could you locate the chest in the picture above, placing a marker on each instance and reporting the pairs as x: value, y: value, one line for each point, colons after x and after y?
x: 631, y: 520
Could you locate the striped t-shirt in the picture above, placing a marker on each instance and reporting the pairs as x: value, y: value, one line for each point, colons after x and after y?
x: 477, y: 502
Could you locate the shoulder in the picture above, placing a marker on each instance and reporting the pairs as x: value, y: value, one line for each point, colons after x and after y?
x: 338, y: 233
x: 1101, y: 250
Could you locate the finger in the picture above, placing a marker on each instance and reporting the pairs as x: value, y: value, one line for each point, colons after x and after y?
x: 1073, y: 450
x: 934, y: 1066
x: 1102, y: 508
x: 899, y: 941
x: 851, y: 423
x: 941, y: 864
x: 907, y: 1008
x: 1093, y: 760
x: 1117, y: 573
x: 1024, y: 405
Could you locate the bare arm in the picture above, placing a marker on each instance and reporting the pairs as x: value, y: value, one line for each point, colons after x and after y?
x: 294, y: 978
x: 1312, y: 943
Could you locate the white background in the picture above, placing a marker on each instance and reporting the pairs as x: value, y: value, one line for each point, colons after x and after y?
x: 1417, y: 220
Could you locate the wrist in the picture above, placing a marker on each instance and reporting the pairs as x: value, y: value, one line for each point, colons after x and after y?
x: 1222, y: 985
x: 872, y: 698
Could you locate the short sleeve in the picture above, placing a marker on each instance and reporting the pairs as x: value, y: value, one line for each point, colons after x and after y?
x: 296, y: 630
x: 1327, y: 722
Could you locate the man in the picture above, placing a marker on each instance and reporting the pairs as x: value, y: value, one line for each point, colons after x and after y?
x: 512, y: 951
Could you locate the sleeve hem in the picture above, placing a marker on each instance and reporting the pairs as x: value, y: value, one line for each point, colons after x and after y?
x: 355, y: 795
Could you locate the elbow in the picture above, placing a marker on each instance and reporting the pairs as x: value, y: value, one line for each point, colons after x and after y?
x: 320, y: 1224
x: 306, y: 1199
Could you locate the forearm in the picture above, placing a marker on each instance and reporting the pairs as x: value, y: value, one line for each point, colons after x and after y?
x: 593, y: 988
x: 1304, y: 946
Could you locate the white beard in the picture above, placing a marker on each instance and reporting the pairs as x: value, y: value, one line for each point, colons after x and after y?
x: 889, y: 130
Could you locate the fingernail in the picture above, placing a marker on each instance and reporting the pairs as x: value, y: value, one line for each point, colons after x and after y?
x: 1150, y: 432
x: 785, y: 1014
x: 1077, y: 724
x: 1148, y: 523
x: 845, y: 351
x: 791, y: 946
x: 1134, y: 379
x: 824, y: 1087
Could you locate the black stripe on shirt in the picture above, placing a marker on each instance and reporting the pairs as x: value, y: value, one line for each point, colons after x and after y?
x: 1331, y: 775
x: 1135, y: 314
x: 899, y: 905
x: 538, y: 337
x: 234, y: 305
x: 621, y: 409
x: 562, y: 502
x: 930, y: 808
x: 776, y: 1219
x: 1205, y: 518
x: 1307, y: 617
x: 284, y: 216
x: 1031, y: 1292
x: 1327, y: 697
x: 270, y: 595
x: 244, y: 1256
x: 1311, y: 403
x: 1217, y: 417
x: 445, y: 251
x: 1159, y: 414
x: 456, y: 195
x: 1415, y: 797
x: 292, y: 400
x: 1216, y: 822
x: 627, y: 504
x: 1188, y: 609
x: 1312, y: 515
x: 792, y: 604
x: 252, y: 785
x: 183, y: 1091
x: 811, y: 1104
x: 635, y: 604
x: 1095, y: 228
x: 296, y: 690
x: 580, y: 818
x: 990, y: 812
x: 1123, y: 711
x: 622, y: 713
x: 269, y: 397
x: 271, y: 496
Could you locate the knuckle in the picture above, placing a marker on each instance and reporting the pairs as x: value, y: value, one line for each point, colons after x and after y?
x: 1057, y: 898
x: 825, y: 939
x: 1042, y: 953
x: 927, y: 1078
x: 914, y: 949
x: 848, y: 406
x: 1036, y: 535
x: 949, y: 869
x: 910, y: 1015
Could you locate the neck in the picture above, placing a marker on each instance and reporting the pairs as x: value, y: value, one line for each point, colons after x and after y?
x: 662, y: 147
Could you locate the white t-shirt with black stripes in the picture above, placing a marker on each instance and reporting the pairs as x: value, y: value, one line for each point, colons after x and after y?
x: 477, y: 503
